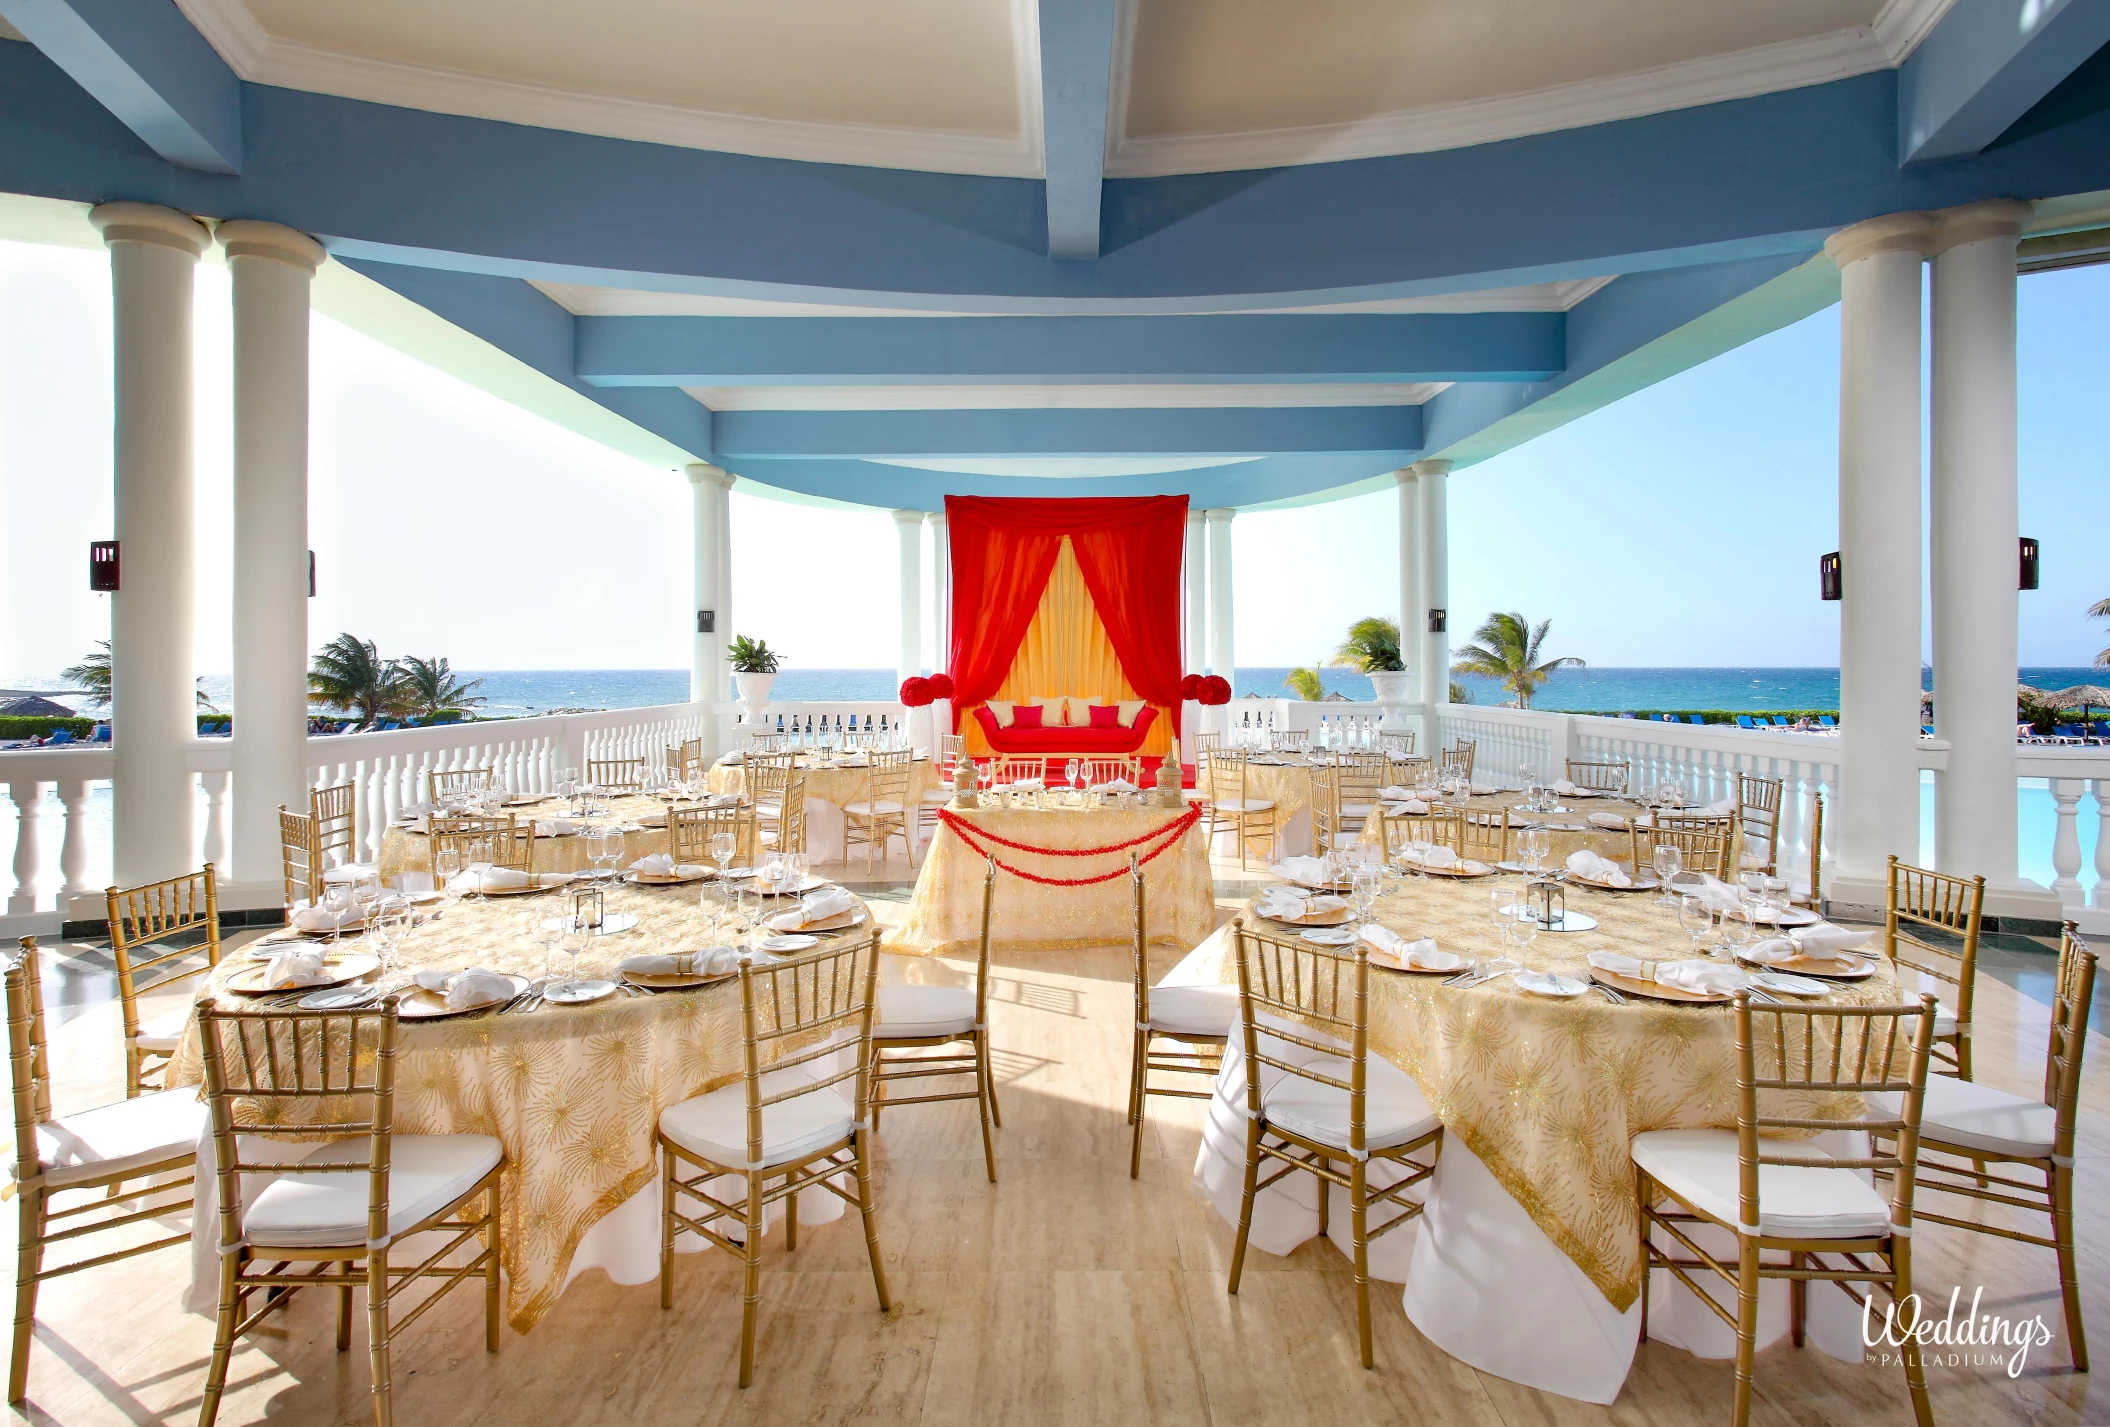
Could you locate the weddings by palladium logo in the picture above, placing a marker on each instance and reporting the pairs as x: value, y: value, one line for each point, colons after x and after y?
x: 1972, y: 1339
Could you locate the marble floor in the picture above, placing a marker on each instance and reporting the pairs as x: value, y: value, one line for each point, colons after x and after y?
x: 1065, y: 1293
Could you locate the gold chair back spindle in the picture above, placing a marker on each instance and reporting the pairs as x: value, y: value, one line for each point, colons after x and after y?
x: 777, y: 790
x: 616, y: 775
x: 138, y: 917
x: 1921, y: 901
x: 335, y: 811
x: 1605, y: 777
x: 458, y: 782
x: 1106, y: 770
x: 1402, y: 743
x: 883, y: 812
x: 1758, y: 823
x: 1706, y: 841
x: 1232, y: 808
x: 509, y: 841
x: 299, y: 859
x: 690, y: 832
x: 1458, y: 759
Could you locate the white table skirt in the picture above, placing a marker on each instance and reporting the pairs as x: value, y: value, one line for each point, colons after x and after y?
x: 1485, y: 1284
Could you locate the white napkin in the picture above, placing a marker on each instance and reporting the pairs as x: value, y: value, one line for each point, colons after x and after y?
x: 555, y: 827
x: 1717, y: 809
x: 1119, y: 785
x: 477, y: 986
x: 1412, y: 807
x: 734, y: 757
x: 489, y: 879
x: 815, y: 907
x: 418, y: 810
x: 1717, y: 894
x: 657, y: 864
x: 1482, y: 790
x: 1589, y: 865
x: 1388, y: 945
x: 1683, y: 975
x: 309, y: 917
x: 1823, y: 942
x: 295, y: 967
x: 1435, y: 857
x: 722, y: 800
x: 1284, y: 904
x: 1302, y: 869
x: 1393, y: 793
x: 1612, y: 821
x: 711, y: 961
x: 1029, y: 785
x: 1575, y: 790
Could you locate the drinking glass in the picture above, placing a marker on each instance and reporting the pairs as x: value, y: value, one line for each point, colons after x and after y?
x: 479, y: 857
x: 447, y: 868
x: 1742, y: 928
x: 1534, y: 843
x: 1500, y: 898
x: 1421, y: 846
x: 549, y: 934
x: 1368, y: 881
x: 1751, y: 886
x: 1520, y: 931
x: 1668, y: 862
x: 572, y: 939
x: 604, y: 845
x: 1697, y: 919
x: 1069, y: 774
x: 723, y: 846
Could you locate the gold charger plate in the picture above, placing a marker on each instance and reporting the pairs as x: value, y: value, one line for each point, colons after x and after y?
x: 1464, y: 964
x: 543, y: 882
x: 854, y: 917
x: 1460, y: 874
x: 1637, y: 885
x: 673, y: 981
x: 1333, y: 918
x: 249, y: 981
x: 1656, y: 991
x: 1825, y: 967
x: 665, y: 879
x: 418, y: 1004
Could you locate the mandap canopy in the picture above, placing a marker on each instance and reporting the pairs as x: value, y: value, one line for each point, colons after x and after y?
x: 1067, y: 597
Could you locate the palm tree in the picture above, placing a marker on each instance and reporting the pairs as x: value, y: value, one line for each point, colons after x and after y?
x: 429, y: 685
x: 1508, y: 649
x: 2101, y: 610
x: 350, y: 674
x: 1304, y: 683
x: 92, y: 677
x: 1372, y: 647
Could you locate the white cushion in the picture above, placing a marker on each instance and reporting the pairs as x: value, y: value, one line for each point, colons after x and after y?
x: 714, y: 1126
x: 1001, y: 711
x: 1944, y: 1021
x: 1243, y: 805
x: 163, y: 1032
x: 426, y: 1173
x: 1394, y: 1111
x: 1194, y: 1010
x: 350, y: 871
x: 1129, y: 710
x: 910, y: 1012
x: 1054, y: 711
x: 938, y: 796
x: 1077, y: 711
x: 865, y: 810
x: 127, y: 1136
x: 1794, y: 1201
x: 1356, y: 810
x: 1979, y: 1117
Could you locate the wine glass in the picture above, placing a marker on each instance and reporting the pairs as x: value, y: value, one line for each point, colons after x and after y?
x: 1500, y: 898
x: 1364, y: 886
x: 1740, y: 928
x: 723, y: 846
x: 1069, y: 774
x: 1668, y: 862
x: 572, y: 939
x: 1534, y: 843
x: 604, y: 845
x: 1697, y: 918
x: 447, y: 869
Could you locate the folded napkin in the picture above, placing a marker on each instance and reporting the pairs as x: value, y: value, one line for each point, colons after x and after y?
x: 1824, y: 939
x: 660, y: 864
x: 1285, y: 905
x: 722, y: 800
x: 1822, y: 942
x: 1717, y: 809
x: 1387, y: 945
x: 555, y: 827
x: 711, y: 961
x: 815, y: 907
x: 295, y: 967
x: 734, y: 757
x: 1393, y: 793
x: 1575, y: 790
x: 1029, y: 785
x: 1482, y: 790
x: 310, y: 917
x: 418, y: 810
x: 1608, y: 820
x: 1441, y: 857
x: 1119, y: 785
x: 477, y: 986
x: 1682, y: 975
x: 1589, y: 865
x: 489, y: 879
x: 1409, y: 807
x: 1303, y: 869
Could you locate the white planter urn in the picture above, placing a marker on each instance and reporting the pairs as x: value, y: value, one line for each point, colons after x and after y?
x: 754, y: 698
x: 1391, y: 700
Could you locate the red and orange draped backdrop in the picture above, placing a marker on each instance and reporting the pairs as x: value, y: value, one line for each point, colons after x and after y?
x: 1076, y: 597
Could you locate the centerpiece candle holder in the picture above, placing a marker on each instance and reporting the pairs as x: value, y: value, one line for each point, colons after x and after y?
x: 586, y: 910
x: 1545, y: 901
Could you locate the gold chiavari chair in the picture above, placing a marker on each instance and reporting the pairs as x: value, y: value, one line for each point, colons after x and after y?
x: 302, y: 867
x: 1922, y: 901
x: 1758, y: 823
x: 1457, y: 760
x: 689, y: 763
x: 1289, y: 740
x: 783, y: 1129
x: 335, y: 813
x: 1399, y: 743
x: 1106, y: 770
x: 1324, y: 1106
x: 1325, y: 809
x: 1815, y: 900
x: 882, y: 813
x: 332, y: 1073
x: 690, y: 832
x: 1785, y: 1199
x: 1230, y: 808
x: 1204, y: 743
x: 926, y: 1018
x: 1964, y: 1121
x: 616, y: 775
x: 1604, y: 777
x: 1471, y: 833
x: 951, y: 748
x: 1195, y: 1020
x: 760, y: 742
x: 458, y: 782
x: 1011, y: 768
x: 1703, y: 843
x: 1362, y: 775
x: 104, y: 1162
x: 138, y: 916
x: 778, y: 791
x: 506, y: 841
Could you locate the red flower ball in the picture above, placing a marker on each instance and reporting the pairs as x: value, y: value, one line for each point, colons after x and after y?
x: 1216, y: 689
x: 1190, y: 688
x: 915, y: 691
x: 940, y: 686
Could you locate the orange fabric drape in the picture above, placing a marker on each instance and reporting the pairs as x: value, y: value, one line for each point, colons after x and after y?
x: 1066, y: 651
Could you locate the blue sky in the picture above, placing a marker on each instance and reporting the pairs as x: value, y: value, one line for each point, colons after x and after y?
x: 1679, y: 526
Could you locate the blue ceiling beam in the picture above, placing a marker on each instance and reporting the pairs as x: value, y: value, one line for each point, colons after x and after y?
x: 1985, y: 65
x: 1076, y: 76
x: 1361, y: 347
x: 143, y: 61
x: 1771, y: 174
x: 1390, y: 432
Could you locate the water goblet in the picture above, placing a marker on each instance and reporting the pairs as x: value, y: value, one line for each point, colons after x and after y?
x: 1751, y: 885
x: 572, y: 939
x: 1364, y: 887
x: 1697, y: 918
x: 1069, y: 774
x: 1534, y: 843
x: 1668, y: 862
x: 1741, y: 928
x: 1500, y: 898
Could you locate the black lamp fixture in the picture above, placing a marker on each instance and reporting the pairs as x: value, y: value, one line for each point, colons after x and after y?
x: 1828, y: 576
x: 102, y: 566
x: 2029, y: 563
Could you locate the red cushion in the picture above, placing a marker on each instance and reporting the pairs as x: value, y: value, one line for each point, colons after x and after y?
x: 1026, y: 715
x: 1105, y: 716
x: 1063, y: 740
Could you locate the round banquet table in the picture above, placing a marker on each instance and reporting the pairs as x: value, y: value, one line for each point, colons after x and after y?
x: 406, y: 849
x: 1570, y: 829
x: 573, y: 1092
x: 830, y: 787
x: 1527, y: 1261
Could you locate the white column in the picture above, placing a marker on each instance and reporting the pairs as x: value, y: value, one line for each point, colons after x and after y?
x: 908, y: 526
x: 1411, y: 615
x: 1433, y: 477
x: 710, y: 564
x: 1879, y: 551
x: 272, y: 268
x: 941, y: 614
x: 153, y: 259
x: 1223, y: 643
x: 1194, y: 572
x: 1974, y: 555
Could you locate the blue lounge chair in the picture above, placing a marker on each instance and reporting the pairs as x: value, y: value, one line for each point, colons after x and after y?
x: 1745, y: 721
x: 1780, y: 721
x: 1695, y: 718
x: 102, y: 733
x: 1827, y: 721
x: 61, y: 735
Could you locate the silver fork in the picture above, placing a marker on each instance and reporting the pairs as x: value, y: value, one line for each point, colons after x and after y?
x: 1609, y: 994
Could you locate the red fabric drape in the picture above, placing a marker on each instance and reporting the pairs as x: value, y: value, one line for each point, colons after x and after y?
x: 1128, y: 550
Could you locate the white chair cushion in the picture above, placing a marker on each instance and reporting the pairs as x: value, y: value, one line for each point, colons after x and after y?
x: 939, y: 796
x: 909, y: 1012
x: 1194, y: 1010
x: 714, y: 1126
x: 1794, y: 1202
x: 865, y: 810
x: 426, y: 1173
x: 350, y: 871
x: 1944, y: 1021
x: 1243, y: 805
x: 1394, y: 1111
x: 126, y: 1136
x: 1356, y: 810
x: 1979, y: 1117
x: 163, y: 1032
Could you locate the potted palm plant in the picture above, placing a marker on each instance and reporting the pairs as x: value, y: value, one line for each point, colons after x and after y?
x: 754, y: 670
x: 1372, y: 649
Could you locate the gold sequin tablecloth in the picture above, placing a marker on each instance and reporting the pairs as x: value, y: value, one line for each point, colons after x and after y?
x: 828, y: 791
x: 1288, y: 786
x: 945, y: 916
x: 1549, y: 1093
x: 573, y: 1092
x: 1570, y: 828
x: 404, y: 849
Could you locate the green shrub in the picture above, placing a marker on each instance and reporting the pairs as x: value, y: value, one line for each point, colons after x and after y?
x: 1729, y: 715
x: 24, y: 726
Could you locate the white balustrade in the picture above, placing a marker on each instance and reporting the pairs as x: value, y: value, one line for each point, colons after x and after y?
x: 1301, y: 716
x: 28, y: 797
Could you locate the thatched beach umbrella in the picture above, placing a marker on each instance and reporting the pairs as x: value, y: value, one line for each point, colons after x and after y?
x: 2083, y: 697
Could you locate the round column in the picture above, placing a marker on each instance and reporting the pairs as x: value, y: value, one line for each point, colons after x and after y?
x: 1877, y: 809
x: 711, y: 581
x: 1194, y: 577
x: 154, y: 253
x: 941, y: 614
x: 1974, y: 559
x: 272, y: 268
x: 1411, y: 617
x: 908, y: 528
x: 1223, y: 643
x: 1433, y: 477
